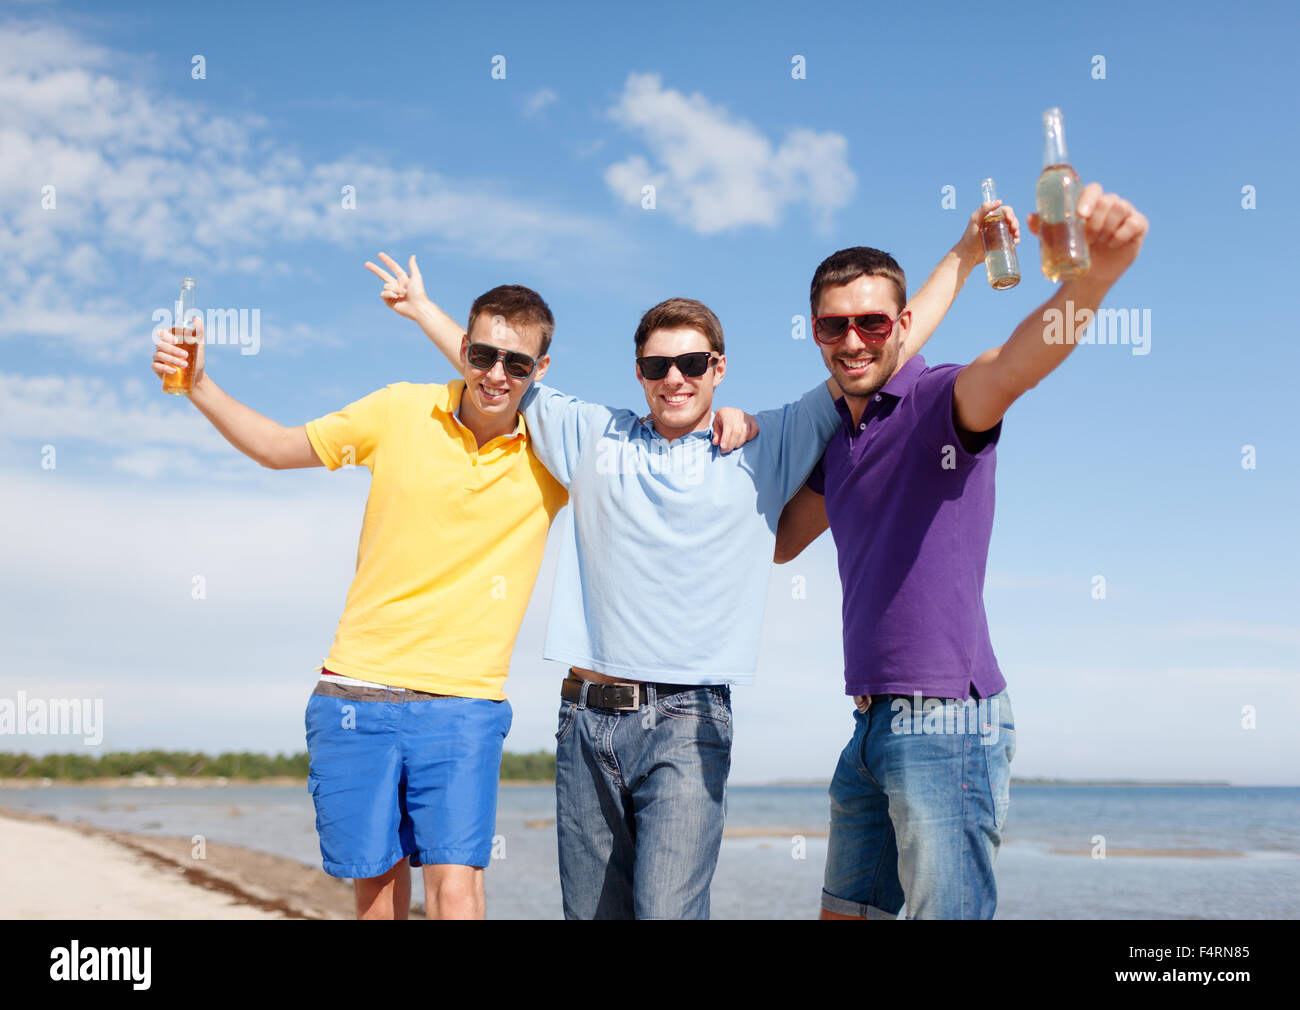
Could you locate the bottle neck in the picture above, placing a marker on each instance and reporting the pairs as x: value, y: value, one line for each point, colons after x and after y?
x: 988, y: 190
x: 1054, y: 152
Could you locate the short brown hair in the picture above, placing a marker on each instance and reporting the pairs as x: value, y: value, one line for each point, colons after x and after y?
x: 847, y: 265
x: 679, y: 313
x: 517, y: 304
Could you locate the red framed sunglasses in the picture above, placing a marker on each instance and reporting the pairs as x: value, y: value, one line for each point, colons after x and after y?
x: 873, y: 327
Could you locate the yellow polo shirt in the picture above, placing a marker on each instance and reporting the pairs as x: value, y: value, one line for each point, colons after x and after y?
x: 450, y: 546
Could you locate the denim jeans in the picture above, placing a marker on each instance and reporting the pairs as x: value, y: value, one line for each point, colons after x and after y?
x: 918, y: 802
x: 639, y: 801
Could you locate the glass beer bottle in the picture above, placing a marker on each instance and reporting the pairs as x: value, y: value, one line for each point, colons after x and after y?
x: 181, y: 381
x: 1060, y: 229
x: 999, y: 245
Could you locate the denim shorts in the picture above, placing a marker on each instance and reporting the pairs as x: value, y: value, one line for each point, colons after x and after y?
x: 918, y: 802
x: 399, y: 773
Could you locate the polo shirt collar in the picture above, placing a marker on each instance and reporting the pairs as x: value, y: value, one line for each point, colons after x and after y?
x: 905, y: 378
x: 447, y: 401
x: 899, y: 385
x: 648, y: 422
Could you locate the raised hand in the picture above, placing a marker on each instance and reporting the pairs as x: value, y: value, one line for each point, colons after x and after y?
x: 1115, y: 230
x: 169, y: 356
x: 971, y: 244
x: 403, y: 290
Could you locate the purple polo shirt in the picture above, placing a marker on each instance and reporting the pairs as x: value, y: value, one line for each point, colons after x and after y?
x: 911, y: 512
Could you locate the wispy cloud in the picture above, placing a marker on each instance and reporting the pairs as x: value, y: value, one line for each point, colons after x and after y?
x: 538, y: 101
x: 133, y: 430
x: 103, y: 175
x: 714, y: 172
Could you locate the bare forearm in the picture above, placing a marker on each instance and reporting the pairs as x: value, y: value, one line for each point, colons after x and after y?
x: 802, y: 521
x: 259, y: 438
x: 990, y: 384
x: 444, y: 331
x: 1047, y: 335
x: 931, y: 303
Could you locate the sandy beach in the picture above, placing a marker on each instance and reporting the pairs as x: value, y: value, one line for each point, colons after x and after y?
x: 55, y: 870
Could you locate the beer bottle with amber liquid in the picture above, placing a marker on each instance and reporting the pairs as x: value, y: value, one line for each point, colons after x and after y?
x: 1000, y: 258
x: 1060, y: 229
x: 181, y: 381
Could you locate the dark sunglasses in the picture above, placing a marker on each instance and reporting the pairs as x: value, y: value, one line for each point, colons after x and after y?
x: 691, y: 365
x: 485, y: 357
x: 872, y: 327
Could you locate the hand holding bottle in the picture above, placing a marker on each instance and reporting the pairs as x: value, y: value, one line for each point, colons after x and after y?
x: 1113, y: 227
x: 171, y: 357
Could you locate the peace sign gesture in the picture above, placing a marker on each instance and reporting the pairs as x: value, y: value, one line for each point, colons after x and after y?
x: 403, y: 291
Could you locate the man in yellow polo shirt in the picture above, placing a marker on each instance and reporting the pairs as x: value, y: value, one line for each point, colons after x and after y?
x: 406, y: 725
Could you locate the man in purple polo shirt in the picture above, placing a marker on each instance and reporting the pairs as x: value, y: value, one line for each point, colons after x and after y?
x: 906, y: 485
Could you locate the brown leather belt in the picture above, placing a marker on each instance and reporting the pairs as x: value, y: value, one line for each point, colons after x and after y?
x: 627, y: 697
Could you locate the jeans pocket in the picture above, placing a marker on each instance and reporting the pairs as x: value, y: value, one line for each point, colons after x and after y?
x: 707, y: 704
x: 568, y: 712
x: 999, y: 748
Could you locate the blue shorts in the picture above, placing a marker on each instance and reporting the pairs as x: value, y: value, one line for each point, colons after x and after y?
x: 399, y: 773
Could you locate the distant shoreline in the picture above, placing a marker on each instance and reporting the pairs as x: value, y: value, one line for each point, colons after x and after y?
x: 192, y: 782
x: 1179, y: 783
x: 218, y: 782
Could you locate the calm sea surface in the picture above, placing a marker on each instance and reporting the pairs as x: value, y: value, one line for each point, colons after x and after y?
x: 779, y: 875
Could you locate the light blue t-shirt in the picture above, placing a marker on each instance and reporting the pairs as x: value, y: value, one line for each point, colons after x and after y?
x: 664, y: 563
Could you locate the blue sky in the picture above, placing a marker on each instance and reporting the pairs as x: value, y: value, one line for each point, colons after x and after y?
x: 1122, y: 465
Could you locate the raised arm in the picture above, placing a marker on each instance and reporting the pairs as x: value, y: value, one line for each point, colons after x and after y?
x: 404, y: 293
x: 931, y: 303
x: 997, y: 378
x: 259, y: 438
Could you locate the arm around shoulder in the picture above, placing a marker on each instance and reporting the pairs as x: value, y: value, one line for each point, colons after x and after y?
x: 802, y: 521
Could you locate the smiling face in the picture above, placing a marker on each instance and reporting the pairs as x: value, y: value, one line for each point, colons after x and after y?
x: 492, y: 393
x: 680, y: 404
x: 862, y: 367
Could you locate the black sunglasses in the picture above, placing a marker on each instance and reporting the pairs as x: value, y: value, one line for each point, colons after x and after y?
x: 485, y: 356
x: 691, y: 365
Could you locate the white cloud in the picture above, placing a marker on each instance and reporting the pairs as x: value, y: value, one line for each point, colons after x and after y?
x: 54, y: 408
x: 136, y: 172
x: 538, y: 101
x: 152, y: 462
x: 714, y: 172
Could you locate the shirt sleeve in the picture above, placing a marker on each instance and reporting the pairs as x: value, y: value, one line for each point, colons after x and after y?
x: 792, y: 438
x: 560, y: 428
x: 935, y: 413
x: 350, y: 436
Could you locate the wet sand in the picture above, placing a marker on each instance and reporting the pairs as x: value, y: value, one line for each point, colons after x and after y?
x: 55, y: 870
x: 1188, y: 853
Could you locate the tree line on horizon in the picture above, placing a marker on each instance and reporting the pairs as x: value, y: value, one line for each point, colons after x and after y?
x: 537, y: 766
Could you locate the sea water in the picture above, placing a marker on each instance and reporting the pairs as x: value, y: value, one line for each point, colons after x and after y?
x: 1068, y: 851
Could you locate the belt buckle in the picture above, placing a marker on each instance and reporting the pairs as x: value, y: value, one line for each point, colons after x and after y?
x: 636, y: 699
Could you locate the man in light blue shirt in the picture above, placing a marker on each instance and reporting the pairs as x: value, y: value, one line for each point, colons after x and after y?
x: 651, y: 509
x: 659, y: 595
